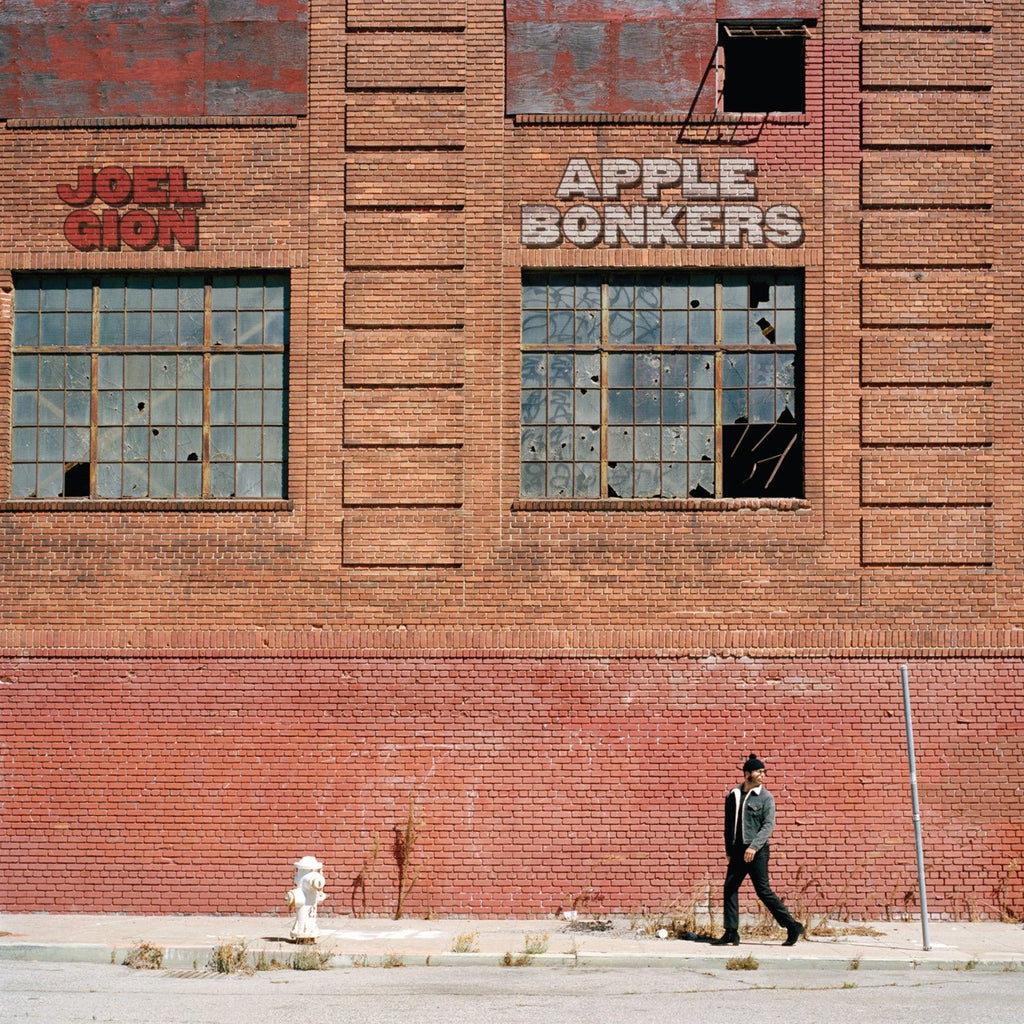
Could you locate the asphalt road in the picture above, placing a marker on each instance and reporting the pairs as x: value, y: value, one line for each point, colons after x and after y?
x: 74, y: 993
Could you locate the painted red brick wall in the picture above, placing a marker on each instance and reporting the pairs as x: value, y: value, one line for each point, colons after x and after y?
x: 98, y: 58
x: 614, y: 57
x: 130, y: 782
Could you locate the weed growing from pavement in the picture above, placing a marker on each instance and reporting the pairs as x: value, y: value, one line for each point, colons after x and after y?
x: 406, y: 837
x: 693, y: 917
x: 516, y: 960
x: 467, y: 942
x: 312, y: 960
x: 264, y: 962
x: 742, y: 963
x: 231, y: 958
x: 533, y: 944
x: 144, y: 957
x: 234, y: 958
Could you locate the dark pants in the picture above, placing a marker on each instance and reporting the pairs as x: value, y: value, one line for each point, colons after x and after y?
x: 758, y: 871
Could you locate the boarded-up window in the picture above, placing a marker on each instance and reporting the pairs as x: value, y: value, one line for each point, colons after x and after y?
x: 173, y: 58
x: 623, y: 57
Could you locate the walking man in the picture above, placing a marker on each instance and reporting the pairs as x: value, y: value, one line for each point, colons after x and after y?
x: 749, y: 821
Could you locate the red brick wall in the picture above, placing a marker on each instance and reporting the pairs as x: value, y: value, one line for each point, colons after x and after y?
x: 404, y: 360
x: 131, y: 782
x: 404, y: 578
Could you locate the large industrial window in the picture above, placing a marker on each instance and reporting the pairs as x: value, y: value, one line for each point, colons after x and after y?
x: 762, y: 66
x: 149, y: 386
x: 661, y: 385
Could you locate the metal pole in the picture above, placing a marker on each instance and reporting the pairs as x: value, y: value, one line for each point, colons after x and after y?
x: 917, y: 812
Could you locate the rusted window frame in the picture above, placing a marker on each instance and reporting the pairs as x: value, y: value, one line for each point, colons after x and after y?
x: 719, y: 350
x: 209, y: 349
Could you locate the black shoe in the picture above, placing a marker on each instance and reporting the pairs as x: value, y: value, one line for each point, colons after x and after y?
x: 730, y: 938
x: 793, y: 933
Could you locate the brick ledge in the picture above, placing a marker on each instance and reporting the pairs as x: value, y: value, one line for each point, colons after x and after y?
x: 512, y: 643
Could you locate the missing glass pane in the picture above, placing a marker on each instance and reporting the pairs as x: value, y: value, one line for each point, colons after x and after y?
x: 660, y: 413
x: 762, y: 67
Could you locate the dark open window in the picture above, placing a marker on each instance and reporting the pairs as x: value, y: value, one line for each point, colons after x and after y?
x: 762, y: 66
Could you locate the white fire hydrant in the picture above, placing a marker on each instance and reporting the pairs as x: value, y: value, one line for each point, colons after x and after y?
x: 305, y: 897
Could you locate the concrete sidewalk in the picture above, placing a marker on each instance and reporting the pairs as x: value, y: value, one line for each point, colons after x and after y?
x: 188, y: 941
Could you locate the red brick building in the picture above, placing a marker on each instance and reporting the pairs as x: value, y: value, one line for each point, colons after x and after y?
x: 503, y: 418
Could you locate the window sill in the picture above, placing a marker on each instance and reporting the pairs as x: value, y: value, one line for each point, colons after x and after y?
x: 146, y: 505
x: 660, y: 505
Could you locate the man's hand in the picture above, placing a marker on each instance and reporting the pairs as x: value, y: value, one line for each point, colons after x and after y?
x: 749, y: 854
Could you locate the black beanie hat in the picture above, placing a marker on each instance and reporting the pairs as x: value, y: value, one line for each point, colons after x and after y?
x: 753, y: 764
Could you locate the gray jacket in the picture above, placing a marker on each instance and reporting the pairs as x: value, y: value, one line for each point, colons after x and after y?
x: 758, y: 819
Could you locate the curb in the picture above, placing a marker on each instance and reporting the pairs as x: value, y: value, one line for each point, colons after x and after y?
x: 196, y: 958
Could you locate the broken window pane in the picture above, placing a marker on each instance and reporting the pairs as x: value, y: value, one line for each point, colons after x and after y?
x: 588, y: 444
x: 560, y: 444
x: 588, y: 328
x: 620, y: 444
x: 734, y: 406
x: 222, y: 481
x: 162, y: 444
x: 620, y: 480
x: 587, y: 482
x: 646, y: 407
x: 560, y: 479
